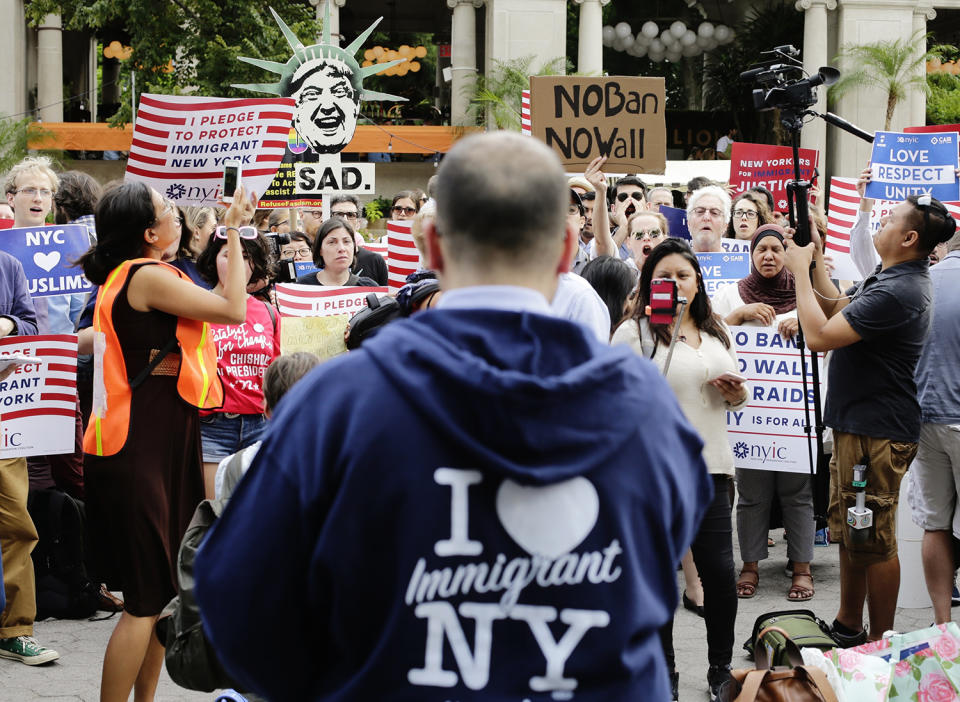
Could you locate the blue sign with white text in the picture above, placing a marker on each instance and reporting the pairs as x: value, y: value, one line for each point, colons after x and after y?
x: 48, y: 254
x: 677, y: 219
x: 304, y: 267
x: 720, y: 268
x: 914, y: 164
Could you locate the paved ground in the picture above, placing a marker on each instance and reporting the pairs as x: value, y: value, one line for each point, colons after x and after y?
x: 75, y: 678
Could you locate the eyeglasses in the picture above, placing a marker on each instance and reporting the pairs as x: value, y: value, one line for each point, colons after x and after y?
x: 588, y: 197
x: 245, y: 232
x: 345, y: 215
x: 404, y: 210
x: 748, y: 214
x: 636, y: 195
x: 652, y: 234
x: 314, y: 213
x: 304, y: 252
x: 32, y: 192
x: 280, y: 224
x: 701, y: 211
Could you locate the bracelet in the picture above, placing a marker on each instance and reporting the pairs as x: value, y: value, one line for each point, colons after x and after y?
x: 234, y: 229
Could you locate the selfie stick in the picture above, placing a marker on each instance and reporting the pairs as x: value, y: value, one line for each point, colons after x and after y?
x: 682, y: 301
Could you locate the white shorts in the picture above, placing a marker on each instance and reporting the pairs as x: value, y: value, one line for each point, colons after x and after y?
x: 936, y: 479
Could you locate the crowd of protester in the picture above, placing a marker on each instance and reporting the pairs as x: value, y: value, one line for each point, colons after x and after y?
x: 169, y: 438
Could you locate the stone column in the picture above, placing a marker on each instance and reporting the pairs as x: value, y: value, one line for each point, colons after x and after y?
x: 918, y: 99
x: 335, y: 6
x: 463, y: 57
x: 590, y: 47
x: 814, y: 135
x: 50, y: 69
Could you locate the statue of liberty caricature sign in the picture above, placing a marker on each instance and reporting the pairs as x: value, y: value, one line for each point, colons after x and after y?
x: 326, y: 83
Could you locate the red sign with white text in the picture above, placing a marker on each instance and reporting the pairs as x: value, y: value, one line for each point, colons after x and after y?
x: 769, y: 166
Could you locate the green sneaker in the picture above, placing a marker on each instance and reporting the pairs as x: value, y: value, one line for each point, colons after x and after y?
x: 26, y: 650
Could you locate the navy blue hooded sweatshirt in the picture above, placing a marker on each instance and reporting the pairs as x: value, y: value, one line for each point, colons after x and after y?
x: 496, y: 515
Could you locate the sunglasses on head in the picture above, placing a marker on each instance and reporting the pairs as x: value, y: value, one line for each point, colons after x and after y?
x: 245, y: 232
x: 636, y: 195
x: 588, y: 197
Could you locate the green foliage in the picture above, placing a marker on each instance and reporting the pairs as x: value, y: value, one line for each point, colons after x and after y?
x: 943, y: 98
x: 203, y: 38
x: 893, y: 66
x: 14, y: 136
x: 373, y: 210
x: 499, y: 92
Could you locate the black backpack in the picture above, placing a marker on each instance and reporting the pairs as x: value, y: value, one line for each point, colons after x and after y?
x: 63, y: 589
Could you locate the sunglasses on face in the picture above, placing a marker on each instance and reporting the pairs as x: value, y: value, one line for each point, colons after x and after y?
x: 651, y: 234
x: 588, y: 197
x: 636, y: 195
x: 404, y: 210
x: 245, y: 232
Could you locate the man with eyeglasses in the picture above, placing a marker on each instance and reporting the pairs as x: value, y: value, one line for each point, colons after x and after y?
x: 367, y: 263
x: 708, y: 211
x: 29, y: 186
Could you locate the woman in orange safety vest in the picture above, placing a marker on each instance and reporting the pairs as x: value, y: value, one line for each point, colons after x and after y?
x: 152, y: 370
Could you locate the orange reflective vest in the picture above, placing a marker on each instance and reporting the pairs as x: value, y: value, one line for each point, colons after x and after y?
x: 197, y: 380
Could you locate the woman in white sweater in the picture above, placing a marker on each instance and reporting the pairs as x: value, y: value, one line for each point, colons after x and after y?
x: 703, y: 353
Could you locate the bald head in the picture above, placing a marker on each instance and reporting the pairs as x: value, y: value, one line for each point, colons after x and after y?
x: 501, y: 198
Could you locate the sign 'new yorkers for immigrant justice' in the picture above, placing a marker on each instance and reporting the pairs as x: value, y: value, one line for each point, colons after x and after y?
x: 582, y: 117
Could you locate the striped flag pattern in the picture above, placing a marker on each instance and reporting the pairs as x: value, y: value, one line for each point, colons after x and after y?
x: 525, y: 124
x: 379, y: 247
x: 180, y: 142
x: 402, y: 256
x: 322, y: 301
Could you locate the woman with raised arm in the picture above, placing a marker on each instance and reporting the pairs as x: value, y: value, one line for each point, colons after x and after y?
x: 155, y: 365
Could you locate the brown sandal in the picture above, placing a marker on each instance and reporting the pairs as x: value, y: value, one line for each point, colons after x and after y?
x: 800, y: 592
x: 747, y: 583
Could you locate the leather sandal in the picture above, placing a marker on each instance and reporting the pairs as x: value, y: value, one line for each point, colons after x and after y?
x: 799, y: 592
x: 747, y: 583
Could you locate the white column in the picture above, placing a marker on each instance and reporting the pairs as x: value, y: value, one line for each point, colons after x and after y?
x: 918, y: 99
x: 463, y: 57
x: 335, y: 6
x: 590, y: 47
x: 50, y: 69
x: 814, y: 134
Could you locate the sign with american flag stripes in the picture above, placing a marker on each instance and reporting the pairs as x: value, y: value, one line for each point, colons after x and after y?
x: 402, y: 255
x: 181, y: 141
x: 322, y: 301
x: 38, y: 401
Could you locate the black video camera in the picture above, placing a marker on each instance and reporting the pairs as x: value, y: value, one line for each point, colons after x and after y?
x: 286, y: 271
x: 781, y: 83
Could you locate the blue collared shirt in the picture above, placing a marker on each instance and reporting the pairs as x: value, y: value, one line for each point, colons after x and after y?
x: 938, y: 371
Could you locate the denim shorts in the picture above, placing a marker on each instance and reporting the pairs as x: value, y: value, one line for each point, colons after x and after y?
x: 224, y: 433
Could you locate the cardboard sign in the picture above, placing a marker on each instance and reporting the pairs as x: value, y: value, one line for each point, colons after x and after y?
x: 38, y: 401
x: 677, y: 220
x: 719, y: 269
x: 582, y: 117
x: 769, y: 166
x: 402, y: 255
x: 322, y: 301
x: 322, y: 336
x: 914, y: 164
x: 180, y: 143
x: 48, y: 254
x: 768, y: 434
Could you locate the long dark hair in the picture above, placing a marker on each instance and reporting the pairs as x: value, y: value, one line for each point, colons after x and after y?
x: 123, y: 214
x: 699, y: 310
x: 325, y: 229
x: 254, y: 250
x: 613, y: 280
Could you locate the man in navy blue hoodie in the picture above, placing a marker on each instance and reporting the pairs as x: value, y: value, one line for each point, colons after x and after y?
x: 495, y: 515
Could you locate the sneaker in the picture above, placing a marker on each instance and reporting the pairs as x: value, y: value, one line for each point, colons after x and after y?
x: 675, y: 686
x: 718, y: 676
x: 26, y: 650
x: 846, y: 638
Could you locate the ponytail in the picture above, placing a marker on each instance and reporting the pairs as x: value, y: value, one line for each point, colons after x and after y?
x: 122, y: 216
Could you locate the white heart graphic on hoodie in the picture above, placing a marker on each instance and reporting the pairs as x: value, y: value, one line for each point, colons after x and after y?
x: 548, y: 520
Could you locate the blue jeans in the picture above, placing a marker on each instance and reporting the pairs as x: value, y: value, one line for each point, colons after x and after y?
x: 225, y: 433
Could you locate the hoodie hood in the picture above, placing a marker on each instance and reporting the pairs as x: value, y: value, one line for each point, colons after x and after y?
x: 501, y: 386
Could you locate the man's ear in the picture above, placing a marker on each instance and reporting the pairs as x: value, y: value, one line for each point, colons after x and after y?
x: 431, y: 239
x: 910, y: 239
x: 570, y: 243
x: 10, y: 197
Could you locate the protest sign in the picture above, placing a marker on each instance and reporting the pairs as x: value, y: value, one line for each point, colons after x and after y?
x: 914, y: 164
x: 322, y: 301
x: 329, y: 176
x: 677, y: 220
x: 768, y: 434
x: 379, y: 247
x: 582, y: 117
x: 38, y: 401
x: 525, y: 113
x: 402, y: 255
x: 6, y: 223
x: 934, y: 129
x: 769, y: 166
x: 721, y: 268
x: 47, y: 254
x: 841, y: 216
x: 735, y: 245
x: 181, y: 141
x: 322, y: 336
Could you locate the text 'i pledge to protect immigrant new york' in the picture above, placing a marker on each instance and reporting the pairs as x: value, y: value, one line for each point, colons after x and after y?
x: 914, y: 164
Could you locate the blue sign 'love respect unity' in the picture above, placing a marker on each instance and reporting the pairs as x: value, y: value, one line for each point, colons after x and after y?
x: 721, y: 268
x: 914, y: 164
x: 48, y: 254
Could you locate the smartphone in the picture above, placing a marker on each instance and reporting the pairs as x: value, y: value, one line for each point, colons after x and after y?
x: 732, y: 377
x: 231, y: 179
x: 663, y: 300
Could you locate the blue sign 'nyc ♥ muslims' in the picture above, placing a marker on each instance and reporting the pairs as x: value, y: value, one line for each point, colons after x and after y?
x: 48, y: 254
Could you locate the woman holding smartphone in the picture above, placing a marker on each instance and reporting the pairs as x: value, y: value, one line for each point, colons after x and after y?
x: 702, y: 374
x: 155, y: 365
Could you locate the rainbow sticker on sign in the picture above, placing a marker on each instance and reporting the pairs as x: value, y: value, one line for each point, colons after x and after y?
x: 295, y: 143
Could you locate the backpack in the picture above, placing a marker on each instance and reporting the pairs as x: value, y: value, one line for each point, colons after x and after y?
x: 63, y: 589
x: 791, y: 682
x: 773, y: 630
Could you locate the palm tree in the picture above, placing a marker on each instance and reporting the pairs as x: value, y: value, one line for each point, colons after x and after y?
x: 893, y: 66
x: 499, y: 92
